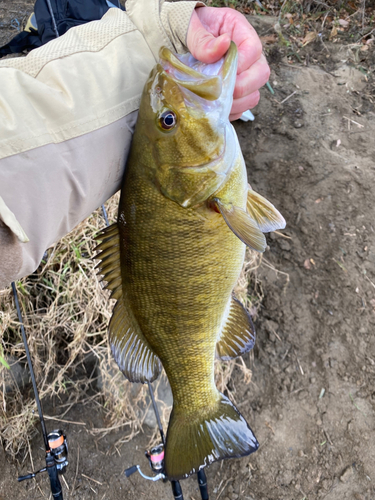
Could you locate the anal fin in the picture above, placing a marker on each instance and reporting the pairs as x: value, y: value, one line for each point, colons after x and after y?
x: 130, y: 348
x: 238, y: 333
x: 264, y: 213
x: 242, y: 225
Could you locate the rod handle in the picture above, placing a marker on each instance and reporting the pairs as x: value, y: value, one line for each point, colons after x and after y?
x: 53, y: 477
x: 177, y: 491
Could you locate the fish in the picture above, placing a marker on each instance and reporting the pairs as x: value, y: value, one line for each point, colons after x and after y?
x: 171, y: 260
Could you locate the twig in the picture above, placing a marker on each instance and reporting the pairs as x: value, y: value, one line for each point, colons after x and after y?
x: 300, y: 367
x: 370, y: 281
x: 66, y: 484
x: 225, y: 485
x: 289, y: 96
x: 75, y: 477
x: 359, y: 125
x: 91, y: 479
x: 283, y: 235
x: 274, y: 332
x: 65, y: 421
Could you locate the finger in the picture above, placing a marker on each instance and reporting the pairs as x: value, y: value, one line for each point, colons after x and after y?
x: 202, y: 44
x: 232, y: 118
x: 252, y: 79
x: 229, y: 21
x: 243, y: 103
x: 249, y: 50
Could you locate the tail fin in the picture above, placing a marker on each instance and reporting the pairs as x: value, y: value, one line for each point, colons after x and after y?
x: 199, y: 440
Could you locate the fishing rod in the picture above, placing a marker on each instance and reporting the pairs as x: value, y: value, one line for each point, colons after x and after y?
x: 55, y: 442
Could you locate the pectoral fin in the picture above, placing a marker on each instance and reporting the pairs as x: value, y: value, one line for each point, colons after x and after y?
x: 242, y: 225
x: 264, y: 213
x: 238, y: 333
x: 130, y: 349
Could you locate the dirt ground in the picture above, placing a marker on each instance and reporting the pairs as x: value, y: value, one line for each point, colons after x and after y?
x: 311, y: 401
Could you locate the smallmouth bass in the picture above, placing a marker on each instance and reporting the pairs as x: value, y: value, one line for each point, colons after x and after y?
x: 172, y: 259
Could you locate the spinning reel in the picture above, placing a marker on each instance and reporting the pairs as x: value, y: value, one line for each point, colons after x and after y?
x: 56, y: 456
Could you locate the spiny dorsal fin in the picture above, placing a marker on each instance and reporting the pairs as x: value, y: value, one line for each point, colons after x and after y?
x: 242, y: 225
x: 109, y: 255
x: 264, y: 213
x: 238, y: 333
x: 130, y: 349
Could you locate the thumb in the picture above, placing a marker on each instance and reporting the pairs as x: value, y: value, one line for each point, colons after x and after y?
x: 203, y: 45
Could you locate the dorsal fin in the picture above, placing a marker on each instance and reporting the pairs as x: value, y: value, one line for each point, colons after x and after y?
x: 238, y: 332
x: 109, y: 255
x: 130, y: 349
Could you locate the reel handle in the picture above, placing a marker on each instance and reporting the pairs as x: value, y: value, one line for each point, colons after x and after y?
x: 131, y: 470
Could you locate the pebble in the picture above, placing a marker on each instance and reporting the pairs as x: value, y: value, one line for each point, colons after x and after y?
x: 285, y: 245
x: 298, y: 124
x: 346, y: 475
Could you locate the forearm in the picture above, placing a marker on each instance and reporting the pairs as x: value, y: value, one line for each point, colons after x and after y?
x: 69, y: 110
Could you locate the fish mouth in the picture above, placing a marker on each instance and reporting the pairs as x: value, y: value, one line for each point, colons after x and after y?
x: 205, y: 82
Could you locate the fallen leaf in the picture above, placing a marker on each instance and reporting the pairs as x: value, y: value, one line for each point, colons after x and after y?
x: 306, y: 264
x: 310, y: 37
x: 343, y: 23
x: 268, y: 39
x: 364, y: 48
x: 312, y: 262
x: 333, y: 32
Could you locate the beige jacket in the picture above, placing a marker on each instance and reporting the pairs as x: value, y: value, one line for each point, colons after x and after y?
x: 67, y: 114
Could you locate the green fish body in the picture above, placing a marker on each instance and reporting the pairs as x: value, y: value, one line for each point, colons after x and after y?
x: 185, y: 216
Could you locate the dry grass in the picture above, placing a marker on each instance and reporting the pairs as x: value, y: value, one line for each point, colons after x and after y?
x: 66, y: 314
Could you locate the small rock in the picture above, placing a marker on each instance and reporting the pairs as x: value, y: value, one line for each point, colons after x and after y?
x: 346, y: 475
x: 298, y: 124
x: 234, y: 496
x: 312, y: 380
x: 358, y: 496
x: 319, y: 421
x: 285, y: 245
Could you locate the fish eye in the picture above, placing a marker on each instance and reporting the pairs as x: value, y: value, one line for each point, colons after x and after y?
x: 168, y: 120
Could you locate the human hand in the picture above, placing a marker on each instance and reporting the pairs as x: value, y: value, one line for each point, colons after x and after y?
x: 209, y: 35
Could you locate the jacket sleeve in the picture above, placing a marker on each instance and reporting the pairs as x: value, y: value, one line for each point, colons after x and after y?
x: 67, y: 115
